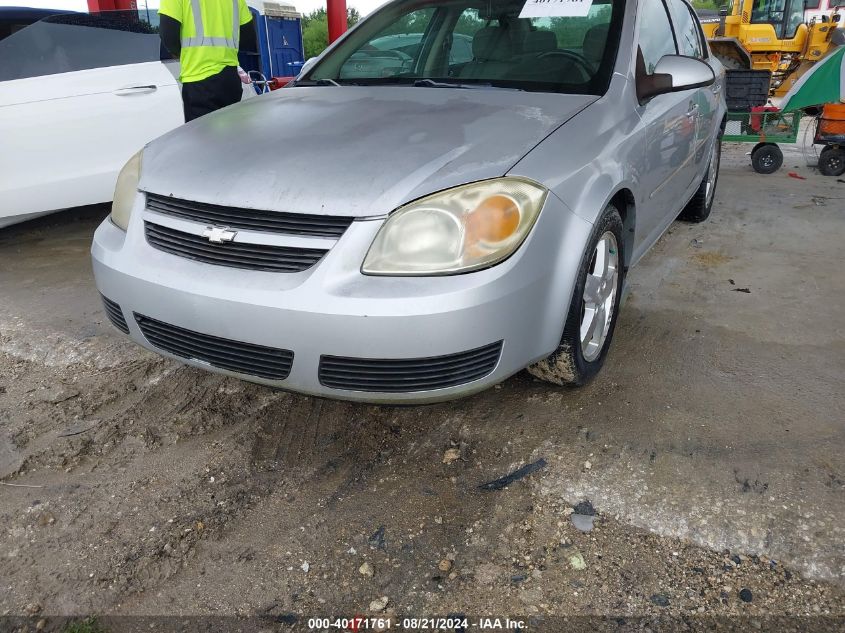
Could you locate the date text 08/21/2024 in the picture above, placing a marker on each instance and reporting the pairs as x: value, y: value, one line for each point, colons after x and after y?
x: 359, y: 623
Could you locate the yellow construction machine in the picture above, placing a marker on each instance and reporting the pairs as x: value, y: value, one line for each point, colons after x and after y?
x: 772, y: 35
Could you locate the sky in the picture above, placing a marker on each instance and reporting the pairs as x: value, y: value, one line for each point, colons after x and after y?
x: 303, y: 6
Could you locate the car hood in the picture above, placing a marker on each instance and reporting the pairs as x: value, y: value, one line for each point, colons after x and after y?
x: 352, y: 150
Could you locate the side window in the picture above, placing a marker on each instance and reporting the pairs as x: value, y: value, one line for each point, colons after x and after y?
x: 686, y: 29
x: 656, y: 38
x: 393, y: 51
x: 794, y: 19
x: 469, y: 23
x: 461, y: 51
x: 78, y: 41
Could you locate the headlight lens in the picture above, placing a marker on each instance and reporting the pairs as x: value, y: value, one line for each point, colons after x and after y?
x: 125, y: 190
x: 466, y: 228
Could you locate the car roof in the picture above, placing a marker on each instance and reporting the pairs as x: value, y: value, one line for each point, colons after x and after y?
x: 27, y: 14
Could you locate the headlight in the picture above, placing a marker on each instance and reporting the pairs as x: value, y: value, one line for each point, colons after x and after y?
x: 125, y: 190
x: 466, y: 228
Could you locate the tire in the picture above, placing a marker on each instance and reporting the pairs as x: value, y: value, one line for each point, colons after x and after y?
x: 758, y: 146
x: 832, y: 161
x: 699, y: 207
x: 766, y: 158
x: 573, y: 362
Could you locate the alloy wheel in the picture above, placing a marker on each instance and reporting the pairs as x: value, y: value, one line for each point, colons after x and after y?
x: 599, y: 299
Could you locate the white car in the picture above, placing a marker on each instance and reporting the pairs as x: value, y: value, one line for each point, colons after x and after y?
x: 79, y: 94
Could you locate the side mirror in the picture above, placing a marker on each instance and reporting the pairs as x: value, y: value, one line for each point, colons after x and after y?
x: 675, y: 73
x: 309, y: 63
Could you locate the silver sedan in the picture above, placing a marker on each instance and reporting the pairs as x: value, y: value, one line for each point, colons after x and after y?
x: 420, y: 226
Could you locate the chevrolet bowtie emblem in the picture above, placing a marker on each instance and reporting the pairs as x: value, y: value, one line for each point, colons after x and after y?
x: 219, y: 234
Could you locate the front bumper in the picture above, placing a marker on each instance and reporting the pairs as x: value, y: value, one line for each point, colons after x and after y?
x: 332, y: 310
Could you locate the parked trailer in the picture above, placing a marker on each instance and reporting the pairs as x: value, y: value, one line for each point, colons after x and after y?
x: 766, y: 127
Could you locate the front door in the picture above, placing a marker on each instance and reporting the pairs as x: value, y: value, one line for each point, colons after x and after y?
x: 669, y: 121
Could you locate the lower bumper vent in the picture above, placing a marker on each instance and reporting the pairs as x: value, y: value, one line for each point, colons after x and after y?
x: 405, y: 375
x: 115, y: 315
x: 244, y: 358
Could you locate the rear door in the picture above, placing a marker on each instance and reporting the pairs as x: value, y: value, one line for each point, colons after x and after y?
x: 79, y: 94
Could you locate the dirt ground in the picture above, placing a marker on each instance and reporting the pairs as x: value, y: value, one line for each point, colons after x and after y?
x: 710, y: 448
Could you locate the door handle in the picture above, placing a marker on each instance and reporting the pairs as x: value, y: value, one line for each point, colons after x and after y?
x: 134, y: 90
x: 693, y: 111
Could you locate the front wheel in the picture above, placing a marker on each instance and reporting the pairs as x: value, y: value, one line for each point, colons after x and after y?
x: 592, y: 313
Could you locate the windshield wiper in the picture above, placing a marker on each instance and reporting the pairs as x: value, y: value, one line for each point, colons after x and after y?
x: 431, y: 83
x: 316, y: 82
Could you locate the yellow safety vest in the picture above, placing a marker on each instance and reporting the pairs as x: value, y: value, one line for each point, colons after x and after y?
x: 210, y: 34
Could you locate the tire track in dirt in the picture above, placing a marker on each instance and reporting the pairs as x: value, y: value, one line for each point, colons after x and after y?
x: 174, y: 458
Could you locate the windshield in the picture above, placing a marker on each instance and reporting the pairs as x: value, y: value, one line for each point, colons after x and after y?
x: 784, y: 15
x: 472, y: 43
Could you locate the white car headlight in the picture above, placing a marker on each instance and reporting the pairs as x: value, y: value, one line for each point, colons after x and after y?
x: 466, y: 228
x: 125, y: 191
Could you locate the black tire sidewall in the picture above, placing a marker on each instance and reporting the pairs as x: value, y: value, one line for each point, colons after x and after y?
x: 698, y: 208
x: 585, y: 370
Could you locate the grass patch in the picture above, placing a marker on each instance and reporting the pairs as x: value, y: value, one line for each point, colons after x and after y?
x: 88, y: 625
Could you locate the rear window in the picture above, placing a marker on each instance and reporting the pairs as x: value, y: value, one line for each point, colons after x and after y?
x: 79, y: 41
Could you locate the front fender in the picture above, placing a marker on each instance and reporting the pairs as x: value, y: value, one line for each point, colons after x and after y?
x: 588, y: 161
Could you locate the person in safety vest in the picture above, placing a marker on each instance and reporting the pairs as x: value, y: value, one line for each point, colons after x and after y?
x: 206, y: 36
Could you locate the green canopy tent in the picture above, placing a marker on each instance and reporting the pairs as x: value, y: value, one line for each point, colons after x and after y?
x: 823, y: 83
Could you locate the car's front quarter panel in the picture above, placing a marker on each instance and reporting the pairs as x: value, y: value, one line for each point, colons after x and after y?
x: 593, y: 156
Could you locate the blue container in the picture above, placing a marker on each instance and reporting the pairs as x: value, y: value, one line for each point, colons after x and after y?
x: 280, y: 46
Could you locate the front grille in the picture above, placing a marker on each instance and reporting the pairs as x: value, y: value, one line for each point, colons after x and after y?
x: 244, y: 358
x: 281, y: 259
x: 115, y: 315
x: 413, y: 374
x: 250, y: 219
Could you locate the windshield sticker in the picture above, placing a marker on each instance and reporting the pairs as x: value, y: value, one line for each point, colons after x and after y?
x: 556, y: 9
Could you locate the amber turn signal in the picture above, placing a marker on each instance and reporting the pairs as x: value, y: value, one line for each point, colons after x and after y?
x: 492, y: 221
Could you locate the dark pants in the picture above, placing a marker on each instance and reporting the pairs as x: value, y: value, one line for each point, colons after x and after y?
x: 212, y: 93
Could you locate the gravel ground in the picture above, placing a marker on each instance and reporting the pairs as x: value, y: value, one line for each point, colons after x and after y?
x: 132, y: 487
